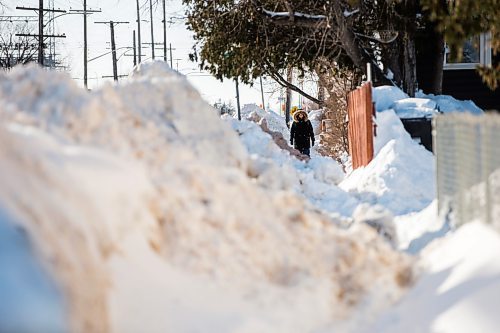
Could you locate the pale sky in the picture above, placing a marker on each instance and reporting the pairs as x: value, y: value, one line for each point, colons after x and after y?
x: 71, y: 47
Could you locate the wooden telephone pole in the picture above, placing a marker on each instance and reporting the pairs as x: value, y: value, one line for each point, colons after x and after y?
x: 262, y: 94
x: 135, y: 48
x: 113, y: 45
x: 238, y: 98
x: 85, y: 12
x: 171, y: 57
x: 164, y: 32
x: 41, y: 36
x: 139, y: 31
x: 152, y: 30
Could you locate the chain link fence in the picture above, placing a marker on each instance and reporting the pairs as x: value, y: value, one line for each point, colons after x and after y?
x: 467, y: 152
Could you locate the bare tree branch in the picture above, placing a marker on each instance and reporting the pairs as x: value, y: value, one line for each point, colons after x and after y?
x: 284, y: 83
x: 16, y: 50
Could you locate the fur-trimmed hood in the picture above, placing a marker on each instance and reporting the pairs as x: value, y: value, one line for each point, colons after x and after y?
x: 296, y: 114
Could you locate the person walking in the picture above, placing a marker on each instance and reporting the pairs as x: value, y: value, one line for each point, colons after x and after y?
x: 301, y: 133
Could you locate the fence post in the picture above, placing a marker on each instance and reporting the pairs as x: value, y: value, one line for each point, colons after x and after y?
x: 360, y: 127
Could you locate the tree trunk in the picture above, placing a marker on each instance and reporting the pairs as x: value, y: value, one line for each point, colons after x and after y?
x: 288, y: 96
x: 409, y: 66
x: 435, y: 55
x: 408, y: 10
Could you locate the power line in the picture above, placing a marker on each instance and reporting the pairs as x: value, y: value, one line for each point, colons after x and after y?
x: 18, y: 18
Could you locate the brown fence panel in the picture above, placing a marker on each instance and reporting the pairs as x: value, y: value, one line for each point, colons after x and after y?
x: 360, y: 112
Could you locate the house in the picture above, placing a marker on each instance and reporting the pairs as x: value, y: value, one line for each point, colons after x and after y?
x: 461, y: 80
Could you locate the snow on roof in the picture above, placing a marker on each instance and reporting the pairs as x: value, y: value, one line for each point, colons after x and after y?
x: 415, y: 108
x: 422, y: 106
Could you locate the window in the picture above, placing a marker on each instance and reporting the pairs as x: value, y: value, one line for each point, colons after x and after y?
x: 476, y: 51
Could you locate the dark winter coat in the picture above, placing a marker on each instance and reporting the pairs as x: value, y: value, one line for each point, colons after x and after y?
x: 301, y: 133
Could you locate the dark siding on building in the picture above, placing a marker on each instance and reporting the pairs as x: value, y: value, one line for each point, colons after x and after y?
x: 467, y: 85
x: 461, y: 84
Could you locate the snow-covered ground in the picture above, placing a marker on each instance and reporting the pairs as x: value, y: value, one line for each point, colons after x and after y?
x: 135, y: 208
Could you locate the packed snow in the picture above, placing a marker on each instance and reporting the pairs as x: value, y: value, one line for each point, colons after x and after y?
x: 389, y: 180
x: 421, y: 106
x: 135, y: 208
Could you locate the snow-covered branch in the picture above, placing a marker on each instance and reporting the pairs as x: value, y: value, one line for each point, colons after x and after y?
x: 295, y: 14
x: 350, y: 13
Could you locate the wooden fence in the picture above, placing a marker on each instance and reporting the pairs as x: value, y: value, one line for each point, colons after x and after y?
x: 361, y: 128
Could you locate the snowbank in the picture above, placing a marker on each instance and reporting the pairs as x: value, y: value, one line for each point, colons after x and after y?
x: 25, y: 288
x: 391, y: 178
x: 275, y: 122
x: 135, y: 191
x: 417, y: 230
x: 385, y: 96
x: 459, y: 289
x: 315, y: 180
x: 76, y: 205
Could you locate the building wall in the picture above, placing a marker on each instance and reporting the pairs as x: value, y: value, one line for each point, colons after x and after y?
x: 467, y: 85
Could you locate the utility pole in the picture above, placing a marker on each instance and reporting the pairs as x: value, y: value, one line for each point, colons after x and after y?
x: 262, y: 93
x: 113, y: 45
x: 41, y: 10
x: 177, y: 63
x: 85, y: 12
x: 40, y: 32
x: 238, y: 98
x: 135, y: 49
x: 139, y: 29
x: 152, y: 30
x: 171, y: 60
x: 113, y: 51
x: 164, y: 32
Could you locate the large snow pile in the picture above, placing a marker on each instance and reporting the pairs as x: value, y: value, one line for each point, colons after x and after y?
x: 315, y: 180
x: 274, y: 121
x: 138, y: 201
x: 136, y: 209
x: 389, y: 180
